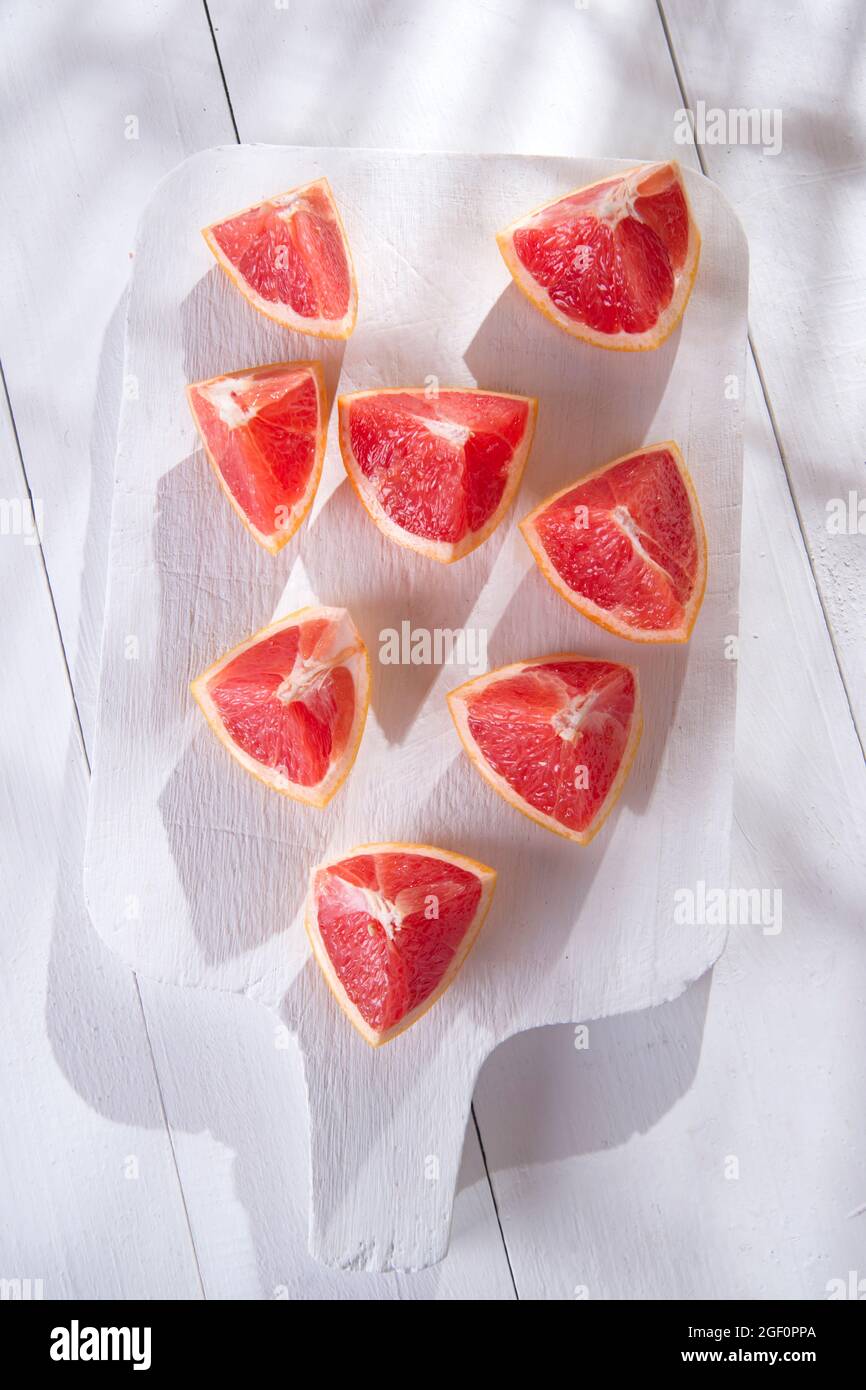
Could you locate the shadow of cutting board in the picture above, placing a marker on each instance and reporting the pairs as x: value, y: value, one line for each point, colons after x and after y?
x: 195, y: 873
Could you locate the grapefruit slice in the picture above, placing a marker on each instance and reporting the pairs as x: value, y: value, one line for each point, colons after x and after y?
x: 436, y: 473
x: 290, y: 258
x: 554, y: 736
x: 612, y: 263
x: 290, y: 703
x: 626, y: 545
x: 390, y: 926
x: 263, y: 432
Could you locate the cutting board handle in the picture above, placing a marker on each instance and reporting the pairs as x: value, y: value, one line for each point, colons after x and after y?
x: 386, y: 1136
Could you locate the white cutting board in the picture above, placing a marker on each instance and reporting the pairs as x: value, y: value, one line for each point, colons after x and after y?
x: 195, y: 872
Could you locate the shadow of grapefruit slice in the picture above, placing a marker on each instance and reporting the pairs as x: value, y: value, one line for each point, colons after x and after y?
x: 289, y: 256
x: 626, y: 545
x: 390, y: 926
x: 555, y: 736
x: 263, y: 431
x: 436, y: 471
x: 290, y: 703
x: 612, y: 263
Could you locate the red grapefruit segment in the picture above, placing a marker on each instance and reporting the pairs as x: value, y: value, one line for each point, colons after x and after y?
x: 626, y: 545
x: 290, y: 703
x: 290, y: 258
x: 555, y: 736
x: 612, y: 263
x: 263, y: 431
x: 391, y: 925
x: 436, y: 473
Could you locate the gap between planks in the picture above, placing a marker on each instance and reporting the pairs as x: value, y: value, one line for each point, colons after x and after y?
x: 83, y: 748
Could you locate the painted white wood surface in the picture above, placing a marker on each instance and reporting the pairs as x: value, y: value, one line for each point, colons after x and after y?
x: 90, y: 1204
x: 524, y: 76
x: 283, y: 68
x: 803, y: 209
x: 199, y: 877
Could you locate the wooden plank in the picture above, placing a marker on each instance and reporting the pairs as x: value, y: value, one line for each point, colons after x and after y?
x: 803, y: 208
x: 89, y: 1198
x: 613, y: 1166
x: 107, y: 98
x: 545, y: 77
x: 77, y: 169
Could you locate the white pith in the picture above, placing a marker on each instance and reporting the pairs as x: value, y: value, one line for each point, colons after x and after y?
x: 290, y: 206
x: 448, y: 430
x: 221, y: 395
x: 569, y: 720
x: 626, y: 522
x: 386, y: 913
x: 306, y: 675
x: 619, y: 203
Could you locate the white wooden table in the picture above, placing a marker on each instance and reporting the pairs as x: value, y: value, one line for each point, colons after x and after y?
x: 153, y: 1141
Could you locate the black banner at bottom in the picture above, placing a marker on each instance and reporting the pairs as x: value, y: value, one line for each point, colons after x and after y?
x: 148, y: 1337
